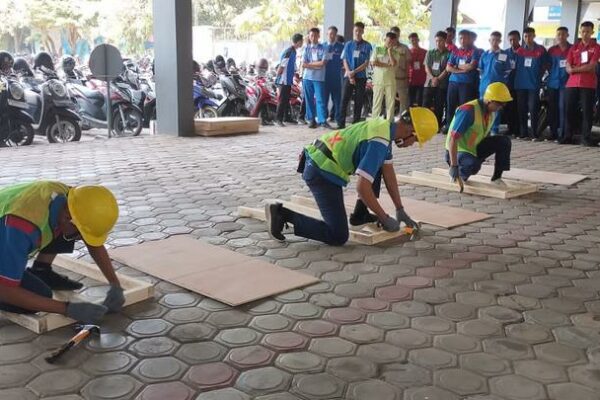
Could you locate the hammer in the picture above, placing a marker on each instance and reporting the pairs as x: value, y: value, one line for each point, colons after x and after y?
x: 85, y: 331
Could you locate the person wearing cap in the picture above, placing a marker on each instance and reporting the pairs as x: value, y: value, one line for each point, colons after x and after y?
x: 469, y: 142
x: 364, y: 149
x: 47, y: 217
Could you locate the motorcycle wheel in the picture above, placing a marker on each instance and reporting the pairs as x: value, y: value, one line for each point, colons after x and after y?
x: 208, y: 112
x: 71, y: 131
x: 132, y: 126
x: 21, y: 135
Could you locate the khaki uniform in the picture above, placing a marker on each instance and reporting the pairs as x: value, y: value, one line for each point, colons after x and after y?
x: 404, y: 60
x: 384, y: 82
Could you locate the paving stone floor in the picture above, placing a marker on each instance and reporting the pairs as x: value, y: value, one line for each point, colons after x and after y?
x: 507, y: 308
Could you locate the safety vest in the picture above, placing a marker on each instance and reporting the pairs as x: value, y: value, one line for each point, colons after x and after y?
x: 31, y: 202
x: 334, y: 151
x: 469, y: 140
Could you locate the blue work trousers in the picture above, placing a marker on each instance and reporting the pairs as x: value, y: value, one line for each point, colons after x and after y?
x: 333, y: 91
x: 459, y: 94
x: 469, y: 165
x: 557, y: 105
x: 315, y: 90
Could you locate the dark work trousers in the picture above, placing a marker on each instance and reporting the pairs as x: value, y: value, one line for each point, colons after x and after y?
x: 528, y: 102
x: 458, y: 94
x: 576, y: 98
x: 355, y: 92
x: 284, y: 101
x: 434, y: 98
x: 511, y: 113
x: 333, y: 230
x: 469, y: 165
x: 415, y: 96
x: 556, y: 112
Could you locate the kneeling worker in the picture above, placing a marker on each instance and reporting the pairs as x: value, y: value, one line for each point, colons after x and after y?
x: 48, y: 217
x: 469, y: 142
x: 364, y: 148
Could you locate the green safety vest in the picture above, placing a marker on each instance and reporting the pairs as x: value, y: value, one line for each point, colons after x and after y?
x: 31, y: 201
x: 475, y: 134
x: 333, y: 152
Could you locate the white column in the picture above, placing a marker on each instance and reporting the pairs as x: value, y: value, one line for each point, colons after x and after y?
x: 570, y: 17
x: 339, y: 13
x: 443, y: 15
x: 515, y: 16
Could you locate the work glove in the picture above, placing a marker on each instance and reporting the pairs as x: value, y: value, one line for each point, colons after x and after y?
x: 88, y: 313
x: 402, y: 216
x: 453, y: 172
x: 114, y: 299
x: 389, y: 224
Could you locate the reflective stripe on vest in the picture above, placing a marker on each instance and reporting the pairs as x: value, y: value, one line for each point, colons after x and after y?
x: 468, y: 141
x: 342, y: 145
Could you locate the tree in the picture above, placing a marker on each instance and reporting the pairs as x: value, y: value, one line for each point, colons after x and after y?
x: 128, y: 24
x: 218, y: 13
x: 15, y: 21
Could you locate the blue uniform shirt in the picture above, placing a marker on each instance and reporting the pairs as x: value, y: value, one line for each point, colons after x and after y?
x: 465, y: 117
x: 314, y: 53
x: 464, y: 56
x: 494, y: 67
x: 288, y: 63
x: 368, y: 158
x: 356, y: 54
x: 18, y: 238
x: 531, y: 63
x: 333, y: 68
x: 513, y: 65
x: 558, y: 76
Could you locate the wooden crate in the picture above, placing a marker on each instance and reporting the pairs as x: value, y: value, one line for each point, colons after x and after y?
x: 135, y: 290
x: 226, y: 126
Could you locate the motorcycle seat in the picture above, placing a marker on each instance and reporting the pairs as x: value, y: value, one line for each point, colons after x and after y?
x: 91, y: 94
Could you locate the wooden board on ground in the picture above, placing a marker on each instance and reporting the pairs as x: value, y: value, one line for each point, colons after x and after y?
x: 224, y: 275
x: 536, y: 176
x: 135, y: 290
x: 479, y: 185
x: 420, y: 211
x: 226, y: 126
x: 368, y: 234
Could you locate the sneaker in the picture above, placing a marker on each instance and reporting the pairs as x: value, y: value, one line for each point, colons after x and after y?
x: 291, y: 122
x: 55, y: 281
x: 275, y: 221
x: 312, y: 125
x: 363, y: 218
x: 326, y: 125
x: 536, y: 139
x: 280, y: 124
x: 341, y: 126
x: 302, y: 121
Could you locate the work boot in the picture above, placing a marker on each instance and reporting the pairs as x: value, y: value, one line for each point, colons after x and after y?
x: 497, y: 175
x: 361, y: 215
x: 326, y: 125
x: 54, y: 280
x: 276, y: 221
x: 312, y: 125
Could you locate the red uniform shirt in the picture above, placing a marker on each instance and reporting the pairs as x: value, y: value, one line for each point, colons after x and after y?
x: 579, y: 55
x: 451, y: 47
x: 416, y: 70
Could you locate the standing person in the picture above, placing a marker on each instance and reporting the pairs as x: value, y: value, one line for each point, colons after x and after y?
x: 384, y: 59
x: 436, y: 86
x: 495, y: 66
x: 462, y: 65
x: 532, y: 60
x: 450, y: 37
x: 356, y: 56
x: 285, y: 76
x: 404, y: 60
x: 313, y: 81
x: 557, y: 81
x: 333, y: 73
x: 512, y: 111
x: 581, y: 85
x: 416, y: 71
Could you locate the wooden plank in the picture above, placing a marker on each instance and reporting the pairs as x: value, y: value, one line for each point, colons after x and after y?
x: 512, y: 187
x: 536, y: 176
x: 420, y: 211
x: 211, y: 264
x: 226, y: 126
x: 135, y: 290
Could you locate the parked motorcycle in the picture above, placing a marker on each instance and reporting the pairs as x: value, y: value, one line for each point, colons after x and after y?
x: 261, y: 100
x: 15, y: 123
x: 204, y: 100
x: 235, y: 94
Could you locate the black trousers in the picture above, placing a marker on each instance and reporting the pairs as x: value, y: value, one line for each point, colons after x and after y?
x: 576, y: 98
x: 415, y: 96
x: 284, y: 101
x: 528, y: 102
x: 556, y: 112
x: 355, y: 92
x: 434, y: 98
x: 511, y: 113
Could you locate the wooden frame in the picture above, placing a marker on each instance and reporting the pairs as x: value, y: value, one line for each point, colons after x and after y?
x: 536, y: 176
x: 479, y: 185
x: 135, y: 290
x: 368, y: 234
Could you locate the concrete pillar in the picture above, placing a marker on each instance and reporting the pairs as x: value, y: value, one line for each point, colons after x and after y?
x: 570, y: 17
x: 443, y: 15
x: 339, y: 13
x: 516, y: 16
x: 173, y: 67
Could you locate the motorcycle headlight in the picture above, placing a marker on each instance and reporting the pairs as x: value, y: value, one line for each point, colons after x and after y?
x: 16, y: 91
x: 58, y: 89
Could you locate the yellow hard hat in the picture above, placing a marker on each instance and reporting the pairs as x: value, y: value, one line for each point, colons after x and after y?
x: 425, y: 123
x: 497, y: 91
x: 94, y: 211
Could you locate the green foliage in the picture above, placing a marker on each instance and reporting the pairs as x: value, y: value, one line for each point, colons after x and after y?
x: 219, y: 13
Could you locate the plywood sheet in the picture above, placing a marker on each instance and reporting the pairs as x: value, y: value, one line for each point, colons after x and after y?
x: 224, y: 275
x: 536, y: 176
x: 226, y: 126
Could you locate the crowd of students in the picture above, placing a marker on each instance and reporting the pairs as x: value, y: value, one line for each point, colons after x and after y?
x: 448, y: 76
